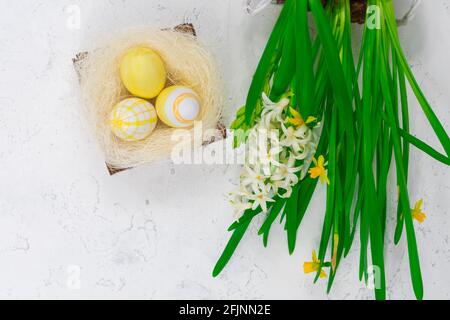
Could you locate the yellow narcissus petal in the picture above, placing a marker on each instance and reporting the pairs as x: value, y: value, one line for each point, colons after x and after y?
x: 314, y: 257
x: 324, y: 179
x: 418, y: 205
x: 321, y: 161
x: 319, y: 170
x: 314, y: 266
x: 315, y: 172
x: 295, y: 113
x: 420, y: 217
x: 309, y: 267
x: 297, y: 119
x: 311, y: 120
x: 417, y: 213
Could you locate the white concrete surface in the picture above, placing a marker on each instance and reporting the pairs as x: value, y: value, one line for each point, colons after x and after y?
x: 70, y: 231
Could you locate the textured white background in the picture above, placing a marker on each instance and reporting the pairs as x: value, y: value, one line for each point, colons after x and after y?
x: 156, y: 231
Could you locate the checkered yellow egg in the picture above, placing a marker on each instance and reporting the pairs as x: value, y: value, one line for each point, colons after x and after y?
x: 133, y: 119
x: 178, y: 107
x: 143, y: 72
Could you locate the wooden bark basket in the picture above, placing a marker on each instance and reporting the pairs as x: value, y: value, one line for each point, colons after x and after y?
x: 358, y: 9
x: 81, y: 58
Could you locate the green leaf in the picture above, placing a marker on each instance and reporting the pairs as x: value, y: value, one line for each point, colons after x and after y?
x: 424, y: 147
x: 404, y: 198
x: 249, y: 215
x: 273, y: 214
x: 286, y: 70
x: 305, y: 76
x: 269, y: 59
x: 236, y: 238
x: 428, y: 111
x: 291, y: 219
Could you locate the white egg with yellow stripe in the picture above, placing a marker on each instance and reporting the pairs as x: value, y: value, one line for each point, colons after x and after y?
x: 133, y: 119
x: 178, y: 106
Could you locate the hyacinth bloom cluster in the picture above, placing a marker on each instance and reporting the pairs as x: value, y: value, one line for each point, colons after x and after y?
x: 278, y: 146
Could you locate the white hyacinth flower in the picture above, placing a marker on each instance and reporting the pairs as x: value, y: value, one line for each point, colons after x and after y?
x: 240, y: 206
x: 271, y: 157
x: 240, y: 193
x: 291, y: 138
x: 273, y: 111
x: 272, y: 164
x: 253, y: 178
x: 287, y: 174
x: 260, y: 199
x: 278, y: 107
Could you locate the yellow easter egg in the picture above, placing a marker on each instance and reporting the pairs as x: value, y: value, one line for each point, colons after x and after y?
x: 143, y: 72
x: 133, y: 119
x: 178, y: 107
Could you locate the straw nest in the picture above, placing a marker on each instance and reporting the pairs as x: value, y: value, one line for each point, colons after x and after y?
x: 187, y: 62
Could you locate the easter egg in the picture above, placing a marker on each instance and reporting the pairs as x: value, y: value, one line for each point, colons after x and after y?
x: 143, y: 72
x: 178, y: 107
x: 133, y: 119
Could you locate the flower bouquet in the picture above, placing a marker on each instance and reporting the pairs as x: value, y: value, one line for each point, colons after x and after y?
x: 315, y: 114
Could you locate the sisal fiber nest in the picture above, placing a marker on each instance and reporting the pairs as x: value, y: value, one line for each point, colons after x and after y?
x: 187, y: 62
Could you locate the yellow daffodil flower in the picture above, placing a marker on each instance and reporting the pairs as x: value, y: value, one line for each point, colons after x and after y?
x: 297, y: 120
x: 417, y: 213
x: 314, y: 266
x: 319, y: 170
x: 311, y: 119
